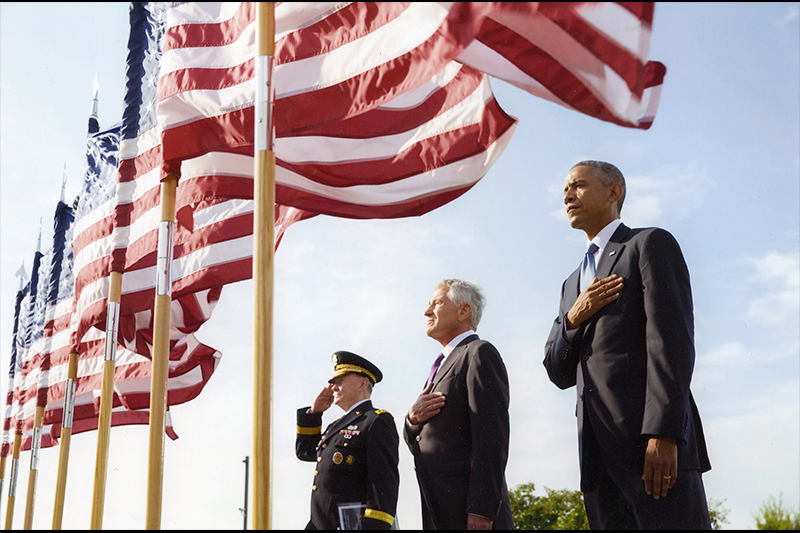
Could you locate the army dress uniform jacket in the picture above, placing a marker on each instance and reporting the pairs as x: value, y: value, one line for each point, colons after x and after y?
x: 357, y: 457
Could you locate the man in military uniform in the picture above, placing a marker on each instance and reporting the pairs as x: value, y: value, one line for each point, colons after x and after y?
x: 357, y: 455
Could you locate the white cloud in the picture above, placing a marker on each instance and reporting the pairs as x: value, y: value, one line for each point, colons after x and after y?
x: 792, y: 14
x: 776, y: 278
x: 665, y: 195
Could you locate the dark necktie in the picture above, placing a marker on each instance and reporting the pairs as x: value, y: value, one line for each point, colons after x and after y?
x: 434, y: 368
x: 588, y: 270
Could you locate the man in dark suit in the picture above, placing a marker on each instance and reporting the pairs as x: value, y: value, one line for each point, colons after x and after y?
x: 356, y: 456
x: 458, y: 429
x: 626, y: 341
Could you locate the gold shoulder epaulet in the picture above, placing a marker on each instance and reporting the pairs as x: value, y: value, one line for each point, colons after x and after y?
x: 381, y: 411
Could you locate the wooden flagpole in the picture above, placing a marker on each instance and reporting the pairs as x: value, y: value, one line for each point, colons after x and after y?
x: 65, y: 441
x: 106, y: 401
x: 33, y: 475
x: 12, y: 482
x: 2, y: 474
x: 160, y: 372
x: 263, y: 255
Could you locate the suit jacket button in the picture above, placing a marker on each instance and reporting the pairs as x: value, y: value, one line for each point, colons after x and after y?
x: 319, y: 459
x: 313, y: 488
x: 419, y: 438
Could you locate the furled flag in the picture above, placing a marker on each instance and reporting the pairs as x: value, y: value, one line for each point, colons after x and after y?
x: 30, y: 330
x: 55, y: 298
x: 212, y: 246
x: 10, y: 417
x: 191, y: 362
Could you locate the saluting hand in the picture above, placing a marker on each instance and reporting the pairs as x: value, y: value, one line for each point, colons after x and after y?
x: 427, y: 406
x: 323, y: 400
x: 596, y: 296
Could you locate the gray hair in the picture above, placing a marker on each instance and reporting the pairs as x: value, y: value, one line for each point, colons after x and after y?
x: 462, y: 292
x: 608, y: 175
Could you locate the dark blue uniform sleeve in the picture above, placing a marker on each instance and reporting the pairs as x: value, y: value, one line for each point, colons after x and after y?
x: 309, y: 429
x: 383, y: 479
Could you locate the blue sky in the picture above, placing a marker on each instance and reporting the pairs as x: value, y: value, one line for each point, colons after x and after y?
x: 720, y: 169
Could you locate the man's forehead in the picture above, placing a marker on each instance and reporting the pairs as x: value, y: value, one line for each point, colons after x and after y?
x: 439, y: 294
x: 581, y: 173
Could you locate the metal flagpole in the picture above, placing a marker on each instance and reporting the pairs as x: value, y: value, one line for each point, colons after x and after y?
x: 160, y: 373
x: 263, y: 255
x: 106, y: 401
x: 246, y: 484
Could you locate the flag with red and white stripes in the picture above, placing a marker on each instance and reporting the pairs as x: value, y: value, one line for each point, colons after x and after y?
x: 330, y: 81
x: 591, y: 57
x: 358, y: 134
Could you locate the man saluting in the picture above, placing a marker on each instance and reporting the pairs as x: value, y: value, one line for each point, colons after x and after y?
x: 356, y: 456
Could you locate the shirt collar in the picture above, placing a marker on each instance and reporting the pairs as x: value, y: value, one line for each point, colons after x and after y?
x: 602, y: 238
x: 357, y: 404
x: 455, y: 342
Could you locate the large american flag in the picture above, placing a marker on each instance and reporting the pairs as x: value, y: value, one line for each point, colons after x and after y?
x: 341, y: 66
x: 359, y: 133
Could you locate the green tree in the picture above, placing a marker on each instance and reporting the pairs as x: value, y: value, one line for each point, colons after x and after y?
x: 717, y: 513
x: 774, y: 516
x: 564, y: 509
x: 558, y: 509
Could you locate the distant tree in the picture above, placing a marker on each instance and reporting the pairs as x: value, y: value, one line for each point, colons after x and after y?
x: 717, y: 513
x: 774, y: 516
x: 559, y: 509
x: 564, y: 509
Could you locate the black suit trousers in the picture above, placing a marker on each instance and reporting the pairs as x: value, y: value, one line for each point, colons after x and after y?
x: 615, y: 498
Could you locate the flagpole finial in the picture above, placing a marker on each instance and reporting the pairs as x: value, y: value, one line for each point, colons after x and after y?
x: 64, y: 184
x: 22, y: 275
x: 96, y: 91
x: 39, y: 242
x: 94, y: 124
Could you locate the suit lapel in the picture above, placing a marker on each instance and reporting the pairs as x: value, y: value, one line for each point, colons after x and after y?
x: 336, y: 425
x: 612, y: 252
x: 451, y: 359
x: 573, y: 288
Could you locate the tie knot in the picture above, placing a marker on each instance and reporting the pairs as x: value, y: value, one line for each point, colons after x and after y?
x: 592, y: 249
x: 434, y: 368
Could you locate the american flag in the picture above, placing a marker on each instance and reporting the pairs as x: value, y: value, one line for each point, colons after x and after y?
x: 591, y: 57
x: 354, y: 127
x: 9, y: 420
x: 358, y: 133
